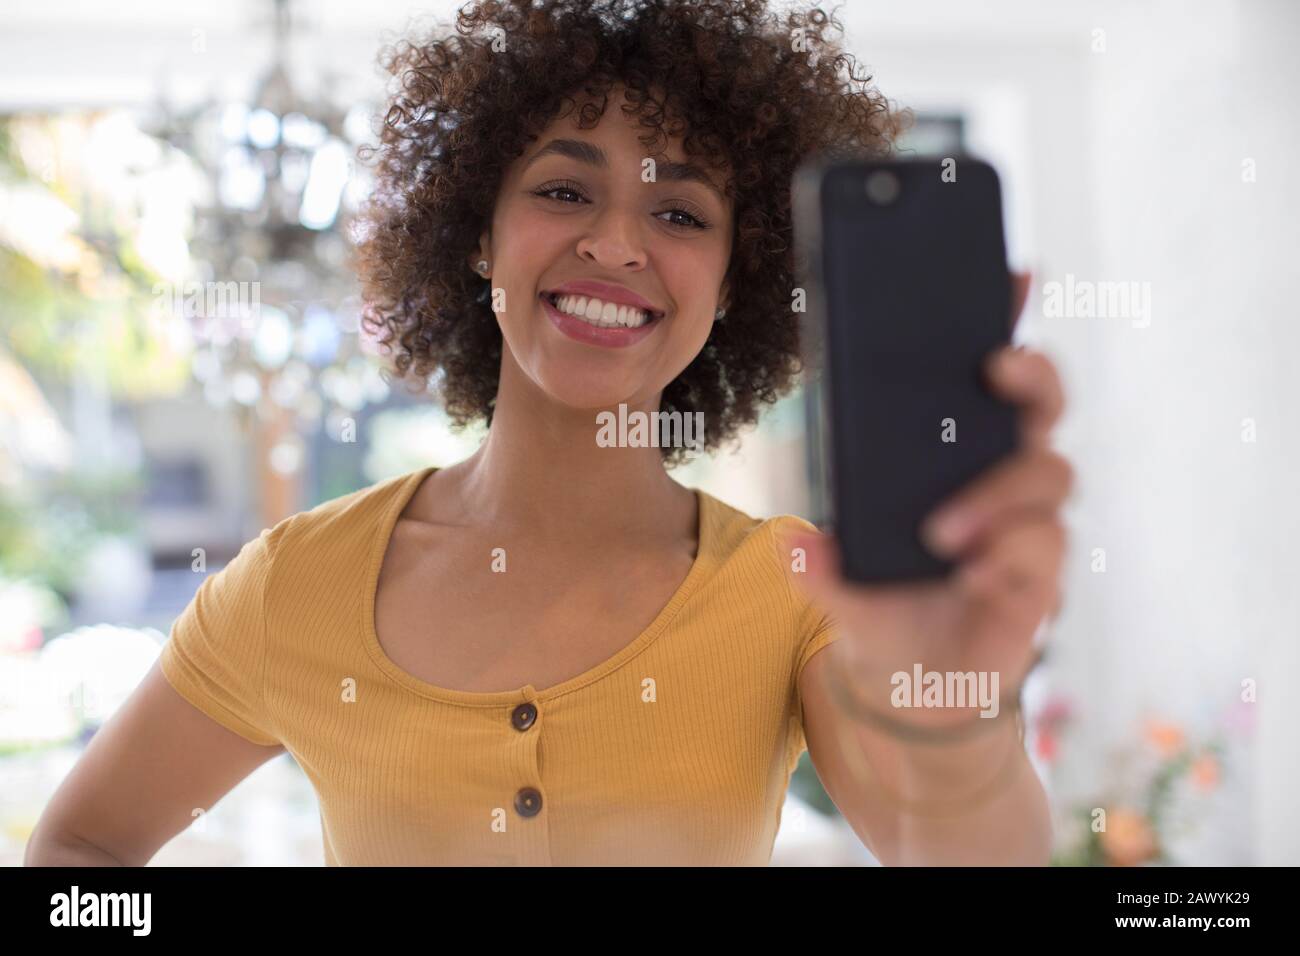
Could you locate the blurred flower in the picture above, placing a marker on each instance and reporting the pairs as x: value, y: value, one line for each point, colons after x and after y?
x: 1048, y: 722
x: 1155, y: 785
x: 1057, y: 710
x: 1166, y: 737
x: 26, y: 607
x: 1205, y: 772
x: 1046, y: 746
x: 1128, y: 838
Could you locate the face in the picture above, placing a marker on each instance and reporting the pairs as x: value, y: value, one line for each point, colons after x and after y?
x: 578, y: 229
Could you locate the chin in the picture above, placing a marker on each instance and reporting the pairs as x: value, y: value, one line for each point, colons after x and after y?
x: 584, y: 387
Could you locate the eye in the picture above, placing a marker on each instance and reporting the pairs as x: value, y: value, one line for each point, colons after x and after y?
x: 561, y: 187
x: 549, y: 191
x: 695, y: 221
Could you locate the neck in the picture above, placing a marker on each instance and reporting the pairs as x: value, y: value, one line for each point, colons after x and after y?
x: 540, y: 468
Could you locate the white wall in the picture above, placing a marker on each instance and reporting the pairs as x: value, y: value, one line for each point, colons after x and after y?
x: 1198, y: 595
x: 1127, y: 165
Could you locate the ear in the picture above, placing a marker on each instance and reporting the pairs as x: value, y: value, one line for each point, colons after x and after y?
x: 482, y: 251
x: 724, y: 295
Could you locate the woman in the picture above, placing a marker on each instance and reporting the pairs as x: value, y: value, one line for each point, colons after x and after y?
x: 551, y: 652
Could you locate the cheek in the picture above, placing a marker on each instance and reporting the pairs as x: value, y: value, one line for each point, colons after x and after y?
x: 688, y: 332
x: 533, y: 245
x: 692, y: 344
x: 524, y: 262
x: 697, y: 276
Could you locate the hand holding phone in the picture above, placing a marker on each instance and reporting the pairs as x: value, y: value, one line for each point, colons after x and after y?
x: 912, y: 331
x: 910, y: 294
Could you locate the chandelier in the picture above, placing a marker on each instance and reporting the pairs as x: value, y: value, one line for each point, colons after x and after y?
x: 275, y: 310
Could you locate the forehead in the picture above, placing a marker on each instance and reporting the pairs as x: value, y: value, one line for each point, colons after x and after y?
x: 586, y: 135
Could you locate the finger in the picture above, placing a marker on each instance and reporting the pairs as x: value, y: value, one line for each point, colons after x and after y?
x: 1028, y: 379
x: 1020, y: 566
x: 1036, y: 480
x: 1020, y: 285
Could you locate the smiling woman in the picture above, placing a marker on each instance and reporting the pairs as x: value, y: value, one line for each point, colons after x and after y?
x: 551, y: 652
x: 680, y: 197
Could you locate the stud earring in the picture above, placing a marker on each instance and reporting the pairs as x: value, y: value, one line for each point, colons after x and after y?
x: 720, y: 314
x: 482, y: 267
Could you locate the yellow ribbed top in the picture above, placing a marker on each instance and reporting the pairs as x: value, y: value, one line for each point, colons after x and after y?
x: 675, y: 751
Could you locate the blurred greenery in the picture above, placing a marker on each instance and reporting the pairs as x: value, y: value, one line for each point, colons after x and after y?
x: 807, y: 786
x: 92, y: 303
x: 46, y: 532
x: 1088, y: 847
x: 84, y: 310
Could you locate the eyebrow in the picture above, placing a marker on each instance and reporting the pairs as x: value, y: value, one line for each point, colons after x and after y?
x: 593, y: 155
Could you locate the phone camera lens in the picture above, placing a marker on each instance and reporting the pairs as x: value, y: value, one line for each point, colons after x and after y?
x: 882, y: 187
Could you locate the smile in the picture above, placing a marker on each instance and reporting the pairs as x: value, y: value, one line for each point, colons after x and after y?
x: 594, y: 321
x: 598, y: 312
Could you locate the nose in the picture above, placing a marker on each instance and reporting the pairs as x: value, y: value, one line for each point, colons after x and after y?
x: 614, y: 240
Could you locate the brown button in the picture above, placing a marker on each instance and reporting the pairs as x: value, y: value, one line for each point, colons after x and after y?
x: 523, y: 716
x: 528, y: 802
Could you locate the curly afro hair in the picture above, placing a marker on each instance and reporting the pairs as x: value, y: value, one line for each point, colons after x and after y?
x: 748, y: 89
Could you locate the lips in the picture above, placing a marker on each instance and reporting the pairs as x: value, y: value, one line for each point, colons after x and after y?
x: 588, y: 334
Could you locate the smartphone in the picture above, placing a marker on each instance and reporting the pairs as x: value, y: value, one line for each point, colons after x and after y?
x: 908, y: 293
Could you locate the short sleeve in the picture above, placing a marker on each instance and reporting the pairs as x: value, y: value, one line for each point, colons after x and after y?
x: 215, y: 656
x: 821, y: 632
x: 813, y: 629
x: 824, y: 634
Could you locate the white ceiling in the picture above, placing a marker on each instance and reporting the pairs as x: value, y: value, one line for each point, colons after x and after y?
x: 57, y: 54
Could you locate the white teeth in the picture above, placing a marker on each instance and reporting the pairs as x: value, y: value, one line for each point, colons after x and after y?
x: 606, y: 315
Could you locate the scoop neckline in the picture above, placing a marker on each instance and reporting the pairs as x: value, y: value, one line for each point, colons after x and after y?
x: 704, y: 559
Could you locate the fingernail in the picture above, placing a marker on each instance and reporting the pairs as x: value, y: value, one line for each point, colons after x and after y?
x: 1012, y: 361
x: 947, y: 531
